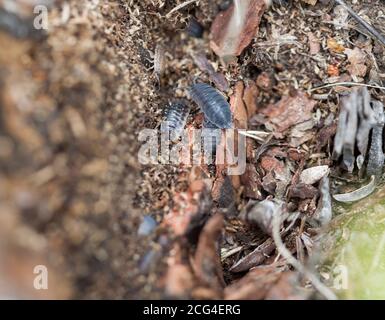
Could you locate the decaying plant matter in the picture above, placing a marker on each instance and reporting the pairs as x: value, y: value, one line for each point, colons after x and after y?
x: 300, y: 82
x: 361, y: 120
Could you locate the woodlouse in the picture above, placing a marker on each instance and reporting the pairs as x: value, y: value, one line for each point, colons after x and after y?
x: 214, y: 106
x: 176, y: 116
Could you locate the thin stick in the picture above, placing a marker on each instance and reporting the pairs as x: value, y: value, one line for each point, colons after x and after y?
x: 256, y: 132
x: 252, y: 136
x: 180, y: 6
x: 366, y: 25
x: 230, y: 252
x: 284, y: 252
x: 347, y: 84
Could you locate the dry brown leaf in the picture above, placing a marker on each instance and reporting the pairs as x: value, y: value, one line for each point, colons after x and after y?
x: 251, y: 182
x: 179, y: 279
x: 285, y: 288
x: 314, y: 44
x: 289, y: 111
x: 207, y: 263
x: 250, y: 96
x: 254, y: 285
x: 357, y: 59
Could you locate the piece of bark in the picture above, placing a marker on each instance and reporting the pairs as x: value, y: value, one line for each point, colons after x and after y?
x: 286, y: 288
x: 207, y: 264
x: 250, y: 96
x: 303, y: 191
x: 302, y: 132
x: 325, y: 135
x: 314, y: 44
x: 254, y: 285
x: 251, y: 182
x: 238, y: 108
x: 269, y: 183
x: 289, y: 111
x: 179, y: 279
x: 233, y: 29
x: 223, y: 191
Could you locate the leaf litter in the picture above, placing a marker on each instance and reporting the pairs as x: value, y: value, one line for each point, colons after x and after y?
x: 289, y: 79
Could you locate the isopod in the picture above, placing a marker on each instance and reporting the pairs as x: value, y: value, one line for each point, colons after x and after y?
x: 176, y: 117
x: 213, y: 104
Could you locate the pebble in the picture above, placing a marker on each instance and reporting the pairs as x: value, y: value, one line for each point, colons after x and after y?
x: 313, y: 174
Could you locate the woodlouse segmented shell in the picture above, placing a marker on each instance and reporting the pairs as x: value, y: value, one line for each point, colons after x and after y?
x: 214, y: 106
x: 176, y: 116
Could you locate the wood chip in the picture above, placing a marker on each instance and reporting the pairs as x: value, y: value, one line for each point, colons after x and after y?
x: 233, y: 29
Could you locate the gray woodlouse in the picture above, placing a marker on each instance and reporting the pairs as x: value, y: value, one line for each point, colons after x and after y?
x: 214, y: 106
x: 176, y: 116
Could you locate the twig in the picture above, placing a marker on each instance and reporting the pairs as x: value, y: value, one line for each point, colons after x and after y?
x: 366, y: 25
x: 257, y: 135
x: 252, y: 135
x: 346, y: 84
x: 284, y: 252
x: 229, y: 253
x: 180, y: 6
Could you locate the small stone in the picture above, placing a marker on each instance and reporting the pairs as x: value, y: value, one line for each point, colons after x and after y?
x: 313, y: 174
